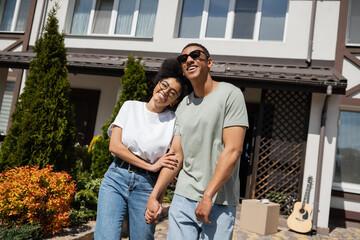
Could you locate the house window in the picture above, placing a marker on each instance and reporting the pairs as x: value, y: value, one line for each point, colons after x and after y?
x: 245, y: 15
x: 216, y: 22
x: 353, y: 31
x: 13, y: 15
x: 5, y: 106
x: 234, y: 19
x: 114, y: 17
x: 347, y: 174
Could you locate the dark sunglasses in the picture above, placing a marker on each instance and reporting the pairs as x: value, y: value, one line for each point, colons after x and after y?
x: 194, y: 55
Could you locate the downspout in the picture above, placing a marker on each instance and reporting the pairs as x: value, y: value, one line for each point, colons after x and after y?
x: 320, y: 157
x: 311, y: 35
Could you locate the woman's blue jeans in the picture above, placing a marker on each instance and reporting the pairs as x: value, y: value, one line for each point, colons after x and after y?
x: 120, y: 191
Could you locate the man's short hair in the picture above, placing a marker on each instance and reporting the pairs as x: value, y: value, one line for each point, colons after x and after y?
x: 197, y: 45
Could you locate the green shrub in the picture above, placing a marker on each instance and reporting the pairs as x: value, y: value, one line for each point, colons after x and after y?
x: 43, y: 126
x: 81, y: 216
x: 84, y: 206
x: 101, y: 157
x: 29, y: 231
x: 82, y: 158
x: 169, y: 194
x: 135, y: 87
x: 30, y: 195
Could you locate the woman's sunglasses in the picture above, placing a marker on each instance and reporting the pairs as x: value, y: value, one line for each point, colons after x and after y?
x: 194, y: 55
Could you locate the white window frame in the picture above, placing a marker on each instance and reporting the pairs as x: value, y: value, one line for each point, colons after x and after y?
x: 346, y: 186
x: 113, y: 17
x: 229, y: 22
x: 348, y: 28
x: 15, y: 17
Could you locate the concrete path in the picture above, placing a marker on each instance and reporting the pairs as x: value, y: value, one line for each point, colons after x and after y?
x: 86, y: 232
x: 283, y: 233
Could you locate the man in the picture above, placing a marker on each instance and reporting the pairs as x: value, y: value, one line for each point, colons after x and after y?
x: 210, y: 129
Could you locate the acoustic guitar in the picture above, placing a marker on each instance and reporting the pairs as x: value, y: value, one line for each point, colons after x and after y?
x: 300, y: 219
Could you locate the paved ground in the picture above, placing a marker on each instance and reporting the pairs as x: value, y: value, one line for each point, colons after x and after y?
x: 336, y: 233
x: 283, y: 233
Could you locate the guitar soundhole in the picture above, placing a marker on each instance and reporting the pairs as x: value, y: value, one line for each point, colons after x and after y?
x: 302, y: 211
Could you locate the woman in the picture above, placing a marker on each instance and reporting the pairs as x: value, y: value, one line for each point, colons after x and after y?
x: 140, y: 139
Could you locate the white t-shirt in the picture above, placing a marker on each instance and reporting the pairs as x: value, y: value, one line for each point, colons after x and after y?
x: 145, y: 133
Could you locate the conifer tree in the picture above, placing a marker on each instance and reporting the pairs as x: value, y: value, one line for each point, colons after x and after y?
x: 43, y: 126
x: 135, y: 87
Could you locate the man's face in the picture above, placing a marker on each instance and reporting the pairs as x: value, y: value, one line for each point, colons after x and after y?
x: 197, y: 64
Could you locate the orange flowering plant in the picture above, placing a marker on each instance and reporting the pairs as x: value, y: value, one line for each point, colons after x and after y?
x: 29, y: 195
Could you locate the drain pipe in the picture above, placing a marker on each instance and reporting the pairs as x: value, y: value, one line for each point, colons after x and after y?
x: 320, y: 158
x: 311, y: 35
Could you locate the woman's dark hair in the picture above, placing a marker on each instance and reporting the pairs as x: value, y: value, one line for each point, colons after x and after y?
x: 171, y: 68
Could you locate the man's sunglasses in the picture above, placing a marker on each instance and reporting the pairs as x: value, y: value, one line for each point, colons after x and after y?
x: 194, y: 55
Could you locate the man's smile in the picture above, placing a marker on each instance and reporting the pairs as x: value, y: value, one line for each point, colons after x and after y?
x: 191, y: 68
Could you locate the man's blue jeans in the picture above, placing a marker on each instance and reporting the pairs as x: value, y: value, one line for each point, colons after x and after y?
x: 183, y: 223
x: 120, y: 191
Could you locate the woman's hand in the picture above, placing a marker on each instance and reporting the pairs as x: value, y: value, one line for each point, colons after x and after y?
x: 153, y: 211
x: 167, y: 161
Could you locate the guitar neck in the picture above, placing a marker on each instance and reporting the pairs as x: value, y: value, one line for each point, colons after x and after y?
x: 306, y: 193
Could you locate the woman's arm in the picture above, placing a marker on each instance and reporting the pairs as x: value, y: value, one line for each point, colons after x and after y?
x: 119, y: 149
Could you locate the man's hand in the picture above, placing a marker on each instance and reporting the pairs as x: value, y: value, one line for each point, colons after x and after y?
x: 153, y: 211
x: 203, y: 210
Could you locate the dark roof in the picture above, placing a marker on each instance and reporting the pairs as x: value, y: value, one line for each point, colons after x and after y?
x: 261, y: 73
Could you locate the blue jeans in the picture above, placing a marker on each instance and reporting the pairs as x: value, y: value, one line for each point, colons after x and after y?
x: 183, y: 223
x: 120, y: 191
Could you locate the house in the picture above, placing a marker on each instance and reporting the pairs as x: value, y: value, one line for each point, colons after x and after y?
x: 295, y: 60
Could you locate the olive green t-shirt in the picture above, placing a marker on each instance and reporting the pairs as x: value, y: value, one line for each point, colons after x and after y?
x: 199, y: 122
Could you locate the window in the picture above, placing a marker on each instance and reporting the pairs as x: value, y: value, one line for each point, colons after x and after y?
x: 347, y: 165
x: 353, y: 31
x: 245, y: 15
x: 114, y: 17
x: 236, y: 19
x: 5, y: 106
x: 13, y: 15
x: 217, y: 15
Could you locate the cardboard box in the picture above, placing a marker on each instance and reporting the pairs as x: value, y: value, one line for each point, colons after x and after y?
x: 261, y: 218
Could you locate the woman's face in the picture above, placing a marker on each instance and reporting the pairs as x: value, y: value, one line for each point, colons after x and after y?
x: 166, y: 92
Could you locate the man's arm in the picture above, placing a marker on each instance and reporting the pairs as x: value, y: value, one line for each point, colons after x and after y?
x: 165, y: 177
x: 233, y: 138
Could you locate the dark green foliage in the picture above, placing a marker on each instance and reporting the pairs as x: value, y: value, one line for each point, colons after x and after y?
x: 81, y: 216
x: 82, y: 158
x: 43, y: 129
x: 84, y: 206
x: 101, y: 157
x: 135, y: 87
x: 30, y: 231
x: 169, y: 194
